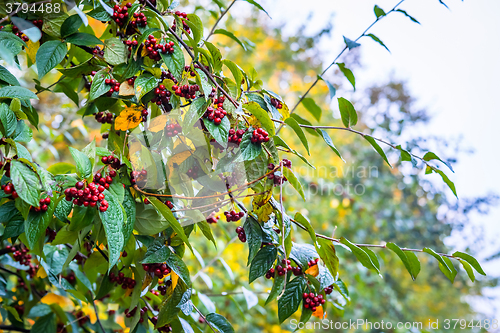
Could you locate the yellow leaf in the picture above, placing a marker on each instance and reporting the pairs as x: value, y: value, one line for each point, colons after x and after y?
x: 158, y: 124
x: 89, y: 311
x: 146, y: 281
x: 175, y: 279
x: 177, y: 159
x: 126, y: 89
x: 52, y: 298
x: 319, y: 313
x: 284, y: 111
x: 129, y: 118
x: 313, y: 270
x: 41, y: 273
x: 263, y: 212
x: 32, y: 49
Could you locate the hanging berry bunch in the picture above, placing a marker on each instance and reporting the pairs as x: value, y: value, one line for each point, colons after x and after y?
x: 19, y: 34
x: 104, y: 117
x: 276, y: 103
x: 259, y: 136
x: 9, y: 189
x: 88, y: 196
x: 138, y: 20
x: 233, y: 216
x: 43, y: 207
x: 241, y: 234
x: 120, y: 14
x: 183, y: 17
x: 172, y: 129
x: 162, y: 95
x: 186, y: 91
x: 121, y: 279
x: 98, y: 51
x: 312, y: 300
x: 115, y: 86
x: 158, y: 269
x: 235, y: 136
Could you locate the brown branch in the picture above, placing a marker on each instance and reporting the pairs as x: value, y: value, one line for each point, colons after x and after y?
x: 204, y: 318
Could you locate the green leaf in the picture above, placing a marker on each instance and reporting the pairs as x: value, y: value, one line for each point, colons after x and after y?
x: 8, y: 120
x: 471, y: 260
x: 206, y: 87
x: 219, y: 132
x: 262, y: 262
x: 379, y: 12
x: 195, y: 112
x: 330, y: 86
x: 216, y: 56
x: 196, y: 26
x: 347, y: 112
x: 26, y: 183
x: 46, y: 324
x: 99, y: 86
x: 253, y: 231
x: 468, y: 269
x: 71, y: 25
x: 84, y: 39
x: 144, y: 83
x: 453, y: 272
x: 83, y: 164
x: 305, y: 222
x: 412, y: 266
x: 207, y: 231
x: 258, y: 6
x: 179, y: 267
x: 249, y: 151
x: 49, y: 55
x: 329, y: 142
x: 279, y: 282
x: 292, y: 179
x: 312, y: 107
x: 115, y: 52
x: 350, y: 43
x: 377, y: 147
x: 261, y: 115
x: 290, y: 301
x: 23, y: 133
x: 100, y: 14
x: 175, y: 62
x: 230, y: 35
x: 447, y: 180
x: 236, y: 71
x: 219, y: 323
x: 429, y: 156
x: 327, y: 253
x: 375, y: 38
x: 348, y: 74
x: 6, y: 76
x: 169, y: 309
x: 129, y: 206
x: 112, y: 220
x: 36, y: 224
x: 172, y: 221
x: 294, y: 125
x: 407, y: 15
x: 443, y: 265
x: 361, y: 254
x: 17, y: 92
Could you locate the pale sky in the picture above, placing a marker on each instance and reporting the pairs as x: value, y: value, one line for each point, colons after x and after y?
x: 451, y: 64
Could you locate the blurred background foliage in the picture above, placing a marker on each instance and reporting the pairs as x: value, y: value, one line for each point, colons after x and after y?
x: 362, y: 199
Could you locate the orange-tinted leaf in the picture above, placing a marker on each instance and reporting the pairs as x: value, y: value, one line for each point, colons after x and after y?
x: 129, y: 118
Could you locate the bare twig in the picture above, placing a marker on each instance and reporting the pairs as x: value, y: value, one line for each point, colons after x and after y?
x: 219, y: 19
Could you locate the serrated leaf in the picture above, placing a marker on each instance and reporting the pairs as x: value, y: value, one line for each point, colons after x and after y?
x: 6, y: 76
x: 248, y: 150
x: 99, y: 87
x: 71, y: 25
x: 112, y: 220
x: 468, y: 269
x: 17, y: 92
x: 289, y: 303
x: 196, y: 26
x: 143, y: 84
x: 294, y: 125
x: 83, y: 164
x: 85, y: 39
x: 312, y: 107
x: 216, y: 56
x: 348, y: 74
x: 49, y: 55
x: 253, y: 231
x: 377, y: 147
x: 115, y: 51
x: 379, y: 12
x: 327, y: 253
x: 262, y: 262
x: 8, y: 120
x: 26, y: 183
x: 305, y: 222
x: 443, y: 265
x: 175, y: 62
x: 429, y: 156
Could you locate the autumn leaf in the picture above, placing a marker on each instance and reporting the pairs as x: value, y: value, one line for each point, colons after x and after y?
x: 126, y: 89
x: 319, y: 313
x: 129, y: 118
x: 313, y: 270
x: 177, y: 159
x: 32, y: 50
x: 157, y: 124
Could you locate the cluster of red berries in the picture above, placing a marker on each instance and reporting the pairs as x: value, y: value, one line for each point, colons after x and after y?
x: 103, y: 117
x: 167, y: 75
x: 278, y: 180
x: 131, y: 81
x: 329, y: 290
x: 120, y: 14
x: 115, y: 86
x: 276, y: 103
x: 138, y: 20
x: 97, y: 51
x: 120, y: 279
x: 166, y: 328
x: 183, y: 17
x: 172, y: 129
x: 163, y: 288
x: 38, y: 23
x: 232, y: 216
x: 154, y: 49
x: 9, y: 189
x: 297, y: 270
x: 19, y: 34
x: 144, y: 115
x: 90, y: 195
x: 212, y: 219
x: 280, y: 269
x: 114, y: 162
x: 19, y: 308
x: 193, y: 172
x: 259, y: 136
x: 138, y: 177
x: 160, y: 270
x: 162, y: 95
x: 130, y: 44
x: 312, y: 300
x: 20, y: 255
x: 236, y: 135
x: 131, y: 313
x: 215, y: 115
x: 186, y: 91
x: 21, y: 284
x: 241, y: 234
x: 313, y: 262
x: 51, y: 234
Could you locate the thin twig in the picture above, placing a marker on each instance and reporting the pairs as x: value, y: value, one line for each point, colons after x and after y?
x: 204, y: 318
x: 219, y: 19
x: 283, y: 229
x: 97, y: 316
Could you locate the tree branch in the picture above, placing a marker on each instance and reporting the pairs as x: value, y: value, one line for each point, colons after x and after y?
x: 219, y: 19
